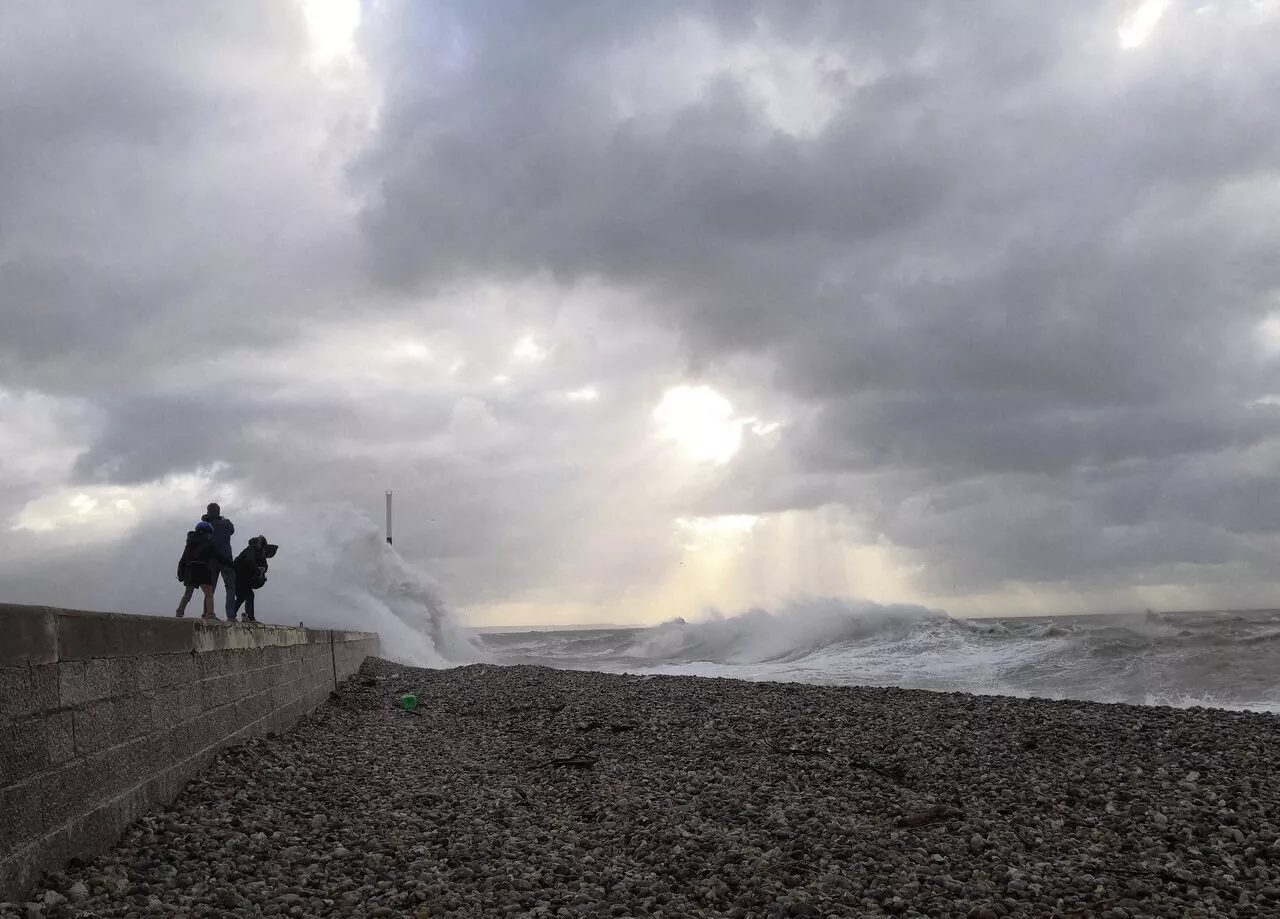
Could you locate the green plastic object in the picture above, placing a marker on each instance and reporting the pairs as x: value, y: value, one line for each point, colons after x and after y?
x: 408, y: 702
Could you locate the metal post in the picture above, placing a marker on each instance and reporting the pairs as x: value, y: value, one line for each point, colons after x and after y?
x: 388, y: 518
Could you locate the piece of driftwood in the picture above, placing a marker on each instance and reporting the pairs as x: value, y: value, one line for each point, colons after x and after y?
x: 578, y: 762
x: 798, y: 751
x: 894, y: 773
x: 938, y: 813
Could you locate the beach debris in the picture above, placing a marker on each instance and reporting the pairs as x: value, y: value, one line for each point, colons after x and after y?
x: 938, y: 813
x: 799, y: 751
x: 617, y: 727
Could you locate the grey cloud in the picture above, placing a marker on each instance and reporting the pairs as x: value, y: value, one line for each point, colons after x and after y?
x: 1005, y: 298
x: 1014, y: 254
x: 168, y: 244
x: 152, y: 196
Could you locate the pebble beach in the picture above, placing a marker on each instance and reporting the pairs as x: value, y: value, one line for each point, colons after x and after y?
x: 527, y: 791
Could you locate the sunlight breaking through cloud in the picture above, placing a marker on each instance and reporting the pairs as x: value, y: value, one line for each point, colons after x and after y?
x: 700, y: 421
x: 1138, y: 25
x: 331, y: 30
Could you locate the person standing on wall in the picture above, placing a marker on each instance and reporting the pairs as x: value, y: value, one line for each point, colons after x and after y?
x: 222, y: 532
x: 196, y: 568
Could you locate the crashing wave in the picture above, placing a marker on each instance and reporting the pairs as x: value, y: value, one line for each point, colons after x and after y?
x: 340, y: 573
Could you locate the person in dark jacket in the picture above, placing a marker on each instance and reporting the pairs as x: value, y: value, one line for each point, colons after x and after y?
x: 196, y: 568
x: 251, y: 574
x: 222, y: 532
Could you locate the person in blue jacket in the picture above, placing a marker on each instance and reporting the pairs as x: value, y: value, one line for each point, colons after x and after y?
x: 222, y: 532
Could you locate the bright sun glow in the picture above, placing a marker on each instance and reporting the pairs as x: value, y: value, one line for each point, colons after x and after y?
x: 585, y: 394
x: 1138, y: 25
x: 722, y: 536
x: 1268, y: 333
x: 97, y: 513
x: 409, y: 350
x: 700, y: 421
x: 726, y: 523
x: 527, y: 349
x: 331, y: 28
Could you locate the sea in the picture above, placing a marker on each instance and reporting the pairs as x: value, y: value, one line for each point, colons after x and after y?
x: 1212, y: 658
x: 1220, y: 659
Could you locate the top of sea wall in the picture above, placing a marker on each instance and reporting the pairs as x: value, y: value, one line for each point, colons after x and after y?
x: 45, y: 635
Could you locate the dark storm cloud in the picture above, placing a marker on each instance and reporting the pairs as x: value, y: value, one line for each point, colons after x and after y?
x: 1016, y: 260
x: 152, y: 199
x: 1001, y: 278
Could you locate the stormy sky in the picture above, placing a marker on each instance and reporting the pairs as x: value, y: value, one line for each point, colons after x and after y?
x: 648, y: 307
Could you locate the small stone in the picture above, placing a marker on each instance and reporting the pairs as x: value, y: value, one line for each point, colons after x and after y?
x: 341, y: 852
x: 319, y: 820
x: 78, y: 891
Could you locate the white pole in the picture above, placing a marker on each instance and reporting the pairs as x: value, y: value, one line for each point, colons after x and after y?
x: 388, y: 518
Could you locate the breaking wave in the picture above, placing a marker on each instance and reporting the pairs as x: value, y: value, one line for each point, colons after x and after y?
x: 1213, y: 659
x: 760, y: 636
x: 341, y: 574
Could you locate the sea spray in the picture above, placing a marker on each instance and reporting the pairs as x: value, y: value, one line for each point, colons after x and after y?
x: 334, y: 570
x: 758, y: 635
x: 1219, y: 659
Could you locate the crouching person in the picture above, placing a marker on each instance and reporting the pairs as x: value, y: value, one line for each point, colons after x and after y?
x: 251, y: 574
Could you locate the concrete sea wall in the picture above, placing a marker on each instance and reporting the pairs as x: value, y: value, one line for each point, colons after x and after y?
x: 104, y: 715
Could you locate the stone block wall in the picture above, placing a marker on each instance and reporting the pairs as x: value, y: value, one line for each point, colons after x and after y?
x: 104, y: 715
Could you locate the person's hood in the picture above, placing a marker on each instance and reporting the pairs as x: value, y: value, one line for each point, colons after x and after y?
x: 210, y: 518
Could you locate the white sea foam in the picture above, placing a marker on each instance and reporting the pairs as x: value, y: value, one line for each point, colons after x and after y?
x: 340, y: 573
x: 1215, y: 660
